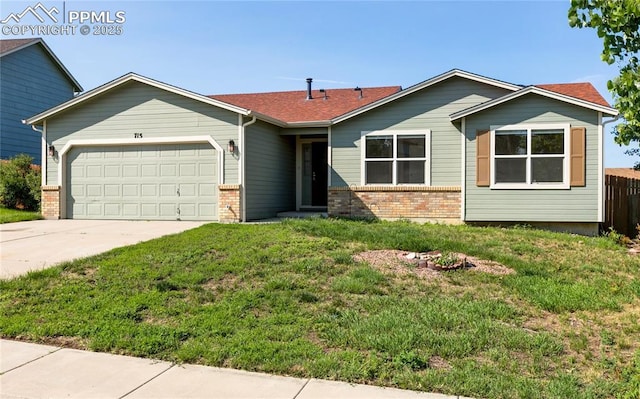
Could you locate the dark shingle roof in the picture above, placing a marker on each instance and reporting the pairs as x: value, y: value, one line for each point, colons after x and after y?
x: 582, y: 91
x: 7, y: 45
x: 293, y: 106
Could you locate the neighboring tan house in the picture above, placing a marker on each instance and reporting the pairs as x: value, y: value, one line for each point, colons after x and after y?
x: 32, y: 79
x: 458, y: 147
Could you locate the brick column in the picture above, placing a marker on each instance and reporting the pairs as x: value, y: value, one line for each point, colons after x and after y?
x: 229, y: 203
x: 50, y: 202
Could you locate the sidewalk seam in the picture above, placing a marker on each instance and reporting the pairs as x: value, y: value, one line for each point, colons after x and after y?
x: 302, y: 388
x: 146, y: 382
x: 32, y: 360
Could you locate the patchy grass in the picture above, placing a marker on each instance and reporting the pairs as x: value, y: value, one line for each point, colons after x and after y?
x: 289, y: 298
x: 14, y: 215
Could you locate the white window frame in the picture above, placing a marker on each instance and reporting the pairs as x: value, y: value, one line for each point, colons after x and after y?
x: 564, y: 185
x: 395, y: 133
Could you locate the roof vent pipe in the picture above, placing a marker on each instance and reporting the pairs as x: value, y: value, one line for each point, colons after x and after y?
x: 309, y: 80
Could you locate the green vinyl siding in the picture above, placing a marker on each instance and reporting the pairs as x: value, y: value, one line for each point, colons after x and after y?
x: 577, y: 204
x: 269, y: 171
x: 426, y: 109
x: 139, y: 108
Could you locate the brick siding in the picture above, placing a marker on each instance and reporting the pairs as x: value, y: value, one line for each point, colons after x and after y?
x: 396, y: 202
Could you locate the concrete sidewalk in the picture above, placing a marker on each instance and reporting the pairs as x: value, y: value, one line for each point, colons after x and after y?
x: 40, y: 371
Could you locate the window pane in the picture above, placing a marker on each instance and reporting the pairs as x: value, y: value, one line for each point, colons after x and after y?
x: 379, y: 147
x: 511, y: 142
x: 411, y: 146
x: 379, y: 172
x: 547, y: 170
x: 547, y: 141
x: 510, y: 170
x: 411, y: 172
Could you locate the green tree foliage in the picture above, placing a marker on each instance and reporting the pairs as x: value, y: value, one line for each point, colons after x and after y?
x: 617, y: 22
x: 20, y: 183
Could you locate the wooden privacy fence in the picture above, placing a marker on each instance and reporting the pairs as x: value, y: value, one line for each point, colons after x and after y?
x: 622, y: 204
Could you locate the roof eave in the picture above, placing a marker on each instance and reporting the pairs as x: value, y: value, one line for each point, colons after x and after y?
x: 321, y: 123
x: 36, y: 119
x: 267, y: 118
x: 528, y: 90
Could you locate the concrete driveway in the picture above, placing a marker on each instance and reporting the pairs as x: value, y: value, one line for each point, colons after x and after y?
x: 38, y: 244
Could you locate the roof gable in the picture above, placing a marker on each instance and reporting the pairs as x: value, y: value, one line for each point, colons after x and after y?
x: 10, y: 46
x: 581, y: 102
x: 427, y: 83
x: 118, y: 82
x: 293, y: 107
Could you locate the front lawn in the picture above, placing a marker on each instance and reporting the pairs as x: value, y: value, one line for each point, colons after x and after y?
x: 289, y: 299
x: 14, y: 215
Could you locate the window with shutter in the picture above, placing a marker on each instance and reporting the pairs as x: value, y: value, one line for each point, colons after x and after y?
x: 531, y: 156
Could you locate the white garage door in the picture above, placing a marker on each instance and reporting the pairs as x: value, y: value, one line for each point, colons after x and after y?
x: 148, y: 182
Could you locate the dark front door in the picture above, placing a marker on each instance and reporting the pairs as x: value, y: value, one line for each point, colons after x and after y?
x: 319, y: 174
x: 314, y: 174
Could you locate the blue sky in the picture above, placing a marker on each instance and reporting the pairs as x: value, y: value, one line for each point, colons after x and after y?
x: 213, y: 47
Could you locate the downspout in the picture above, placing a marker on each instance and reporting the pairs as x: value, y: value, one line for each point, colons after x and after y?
x: 243, y: 202
x: 43, y: 153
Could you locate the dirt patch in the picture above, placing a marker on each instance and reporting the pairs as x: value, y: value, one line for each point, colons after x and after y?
x: 61, y: 341
x: 436, y: 362
x: 227, y: 281
x: 404, y: 262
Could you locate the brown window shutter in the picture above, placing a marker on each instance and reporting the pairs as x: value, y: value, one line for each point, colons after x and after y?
x: 577, y: 157
x: 483, y: 158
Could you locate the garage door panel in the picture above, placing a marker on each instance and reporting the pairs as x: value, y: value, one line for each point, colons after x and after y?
x: 188, y: 190
x: 112, y: 210
x: 149, y: 190
x: 78, y: 190
x: 93, y: 171
x: 168, y: 210
x: 168, y: 170
x: 187, y: 210
x: 80, y: 209
x: 130, y: 171
x: 93, y: 210
x: 168, y: 190
x: 130, y: 190
x: 149, y: 210
x: 207, y: 210
x: 188, y: 170
x: 112, y: 190
x: 143, y: 182
x: 92, y: 190
x: 131, y: 209
x: 206, y: 189
x: 207, y: 169
x: 149, y: 170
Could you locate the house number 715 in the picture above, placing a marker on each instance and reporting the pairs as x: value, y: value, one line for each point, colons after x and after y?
x: 137, y: 135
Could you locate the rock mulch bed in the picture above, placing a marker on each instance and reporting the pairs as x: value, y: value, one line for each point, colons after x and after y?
x: 428, y: 264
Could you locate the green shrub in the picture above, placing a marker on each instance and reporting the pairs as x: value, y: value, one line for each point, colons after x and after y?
x: 20, y: 183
